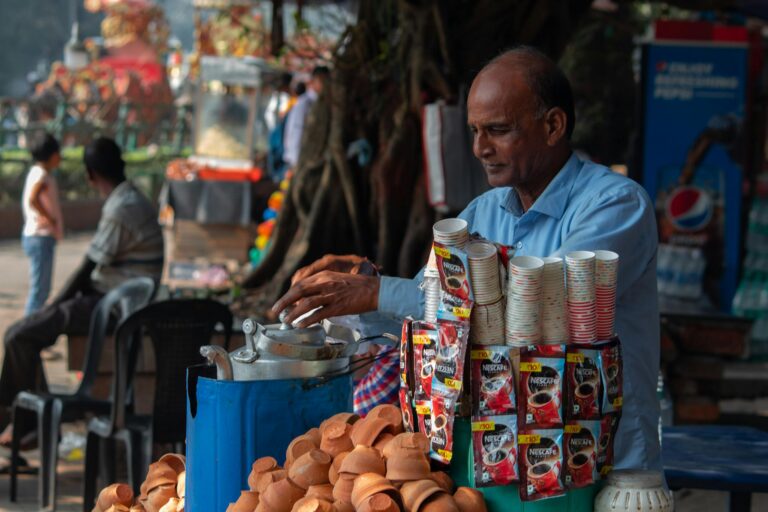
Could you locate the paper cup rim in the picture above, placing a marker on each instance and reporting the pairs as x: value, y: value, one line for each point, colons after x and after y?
x: 606, y: 256
x: 450, y: 226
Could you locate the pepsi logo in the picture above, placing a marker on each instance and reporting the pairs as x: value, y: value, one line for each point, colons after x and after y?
x: 689, y: 208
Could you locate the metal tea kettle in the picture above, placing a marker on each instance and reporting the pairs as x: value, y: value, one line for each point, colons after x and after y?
x: 281, y: 351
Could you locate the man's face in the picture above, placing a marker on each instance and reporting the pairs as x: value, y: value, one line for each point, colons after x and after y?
x: 508, y: 139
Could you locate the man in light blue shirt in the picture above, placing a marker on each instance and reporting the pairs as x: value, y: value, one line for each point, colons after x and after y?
x: 546, y: 201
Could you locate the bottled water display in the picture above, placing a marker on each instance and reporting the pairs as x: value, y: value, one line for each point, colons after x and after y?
x: 680, y: 271
x: 751, y: 299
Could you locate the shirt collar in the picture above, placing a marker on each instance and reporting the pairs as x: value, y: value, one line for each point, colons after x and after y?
x: 554, y: 199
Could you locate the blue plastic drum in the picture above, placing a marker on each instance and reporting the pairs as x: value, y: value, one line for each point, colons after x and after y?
x: 232, y: 423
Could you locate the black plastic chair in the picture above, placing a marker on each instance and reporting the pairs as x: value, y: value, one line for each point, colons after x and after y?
x: 177, y: 328
x: 53, y: 409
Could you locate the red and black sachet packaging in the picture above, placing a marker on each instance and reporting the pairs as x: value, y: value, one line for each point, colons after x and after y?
x: 455, y: 291
x: 580, y: 453
x: 611, y: 369
x: 441, y: 434
x: 424, y: 341
x: 424, y: 416
x: 493, y: 381
x: 541, y: 463
x: 494, y: 444
x: 583, y: 388
x: 609, y: 424
x: 407, y: 383
x: 540, y: 393
x: 407, y: 410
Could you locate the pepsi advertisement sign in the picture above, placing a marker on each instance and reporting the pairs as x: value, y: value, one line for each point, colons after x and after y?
x: 693, y: 134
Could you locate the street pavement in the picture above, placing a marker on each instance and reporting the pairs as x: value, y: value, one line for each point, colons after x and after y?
x: 13, y: 291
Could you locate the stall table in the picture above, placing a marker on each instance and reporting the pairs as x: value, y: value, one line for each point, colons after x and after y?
x: 733, y: 459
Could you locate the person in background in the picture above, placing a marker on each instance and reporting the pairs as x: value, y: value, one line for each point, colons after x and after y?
x: 545, y: 201
x: 294, y: 125
x: 43, y: 221
x: 279, y: 104
x: 128, y: 243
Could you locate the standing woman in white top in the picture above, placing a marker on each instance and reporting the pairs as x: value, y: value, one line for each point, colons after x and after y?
x: 43, y: 223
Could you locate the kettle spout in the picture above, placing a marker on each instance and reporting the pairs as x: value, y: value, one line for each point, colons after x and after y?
x: 219, y: 357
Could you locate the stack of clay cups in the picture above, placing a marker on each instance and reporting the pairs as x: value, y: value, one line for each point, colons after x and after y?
x: 523, y: 326
x: 580, y: 279
x: 606, y: 273
x: 554, y: 316
x: 487, y: 321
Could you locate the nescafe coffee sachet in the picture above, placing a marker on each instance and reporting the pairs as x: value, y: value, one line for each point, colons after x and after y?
x: 540, y: 397
x: 583, y: 388
x: 580, y: 447
x: 541, y: 463
x: 494, y: 443
x: 493, y: 381
x: 424, y: 341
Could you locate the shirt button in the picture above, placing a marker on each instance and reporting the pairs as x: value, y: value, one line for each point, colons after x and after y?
x: 519, y: 245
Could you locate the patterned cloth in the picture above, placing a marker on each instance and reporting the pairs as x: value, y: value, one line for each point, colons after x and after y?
x: 380, y: 385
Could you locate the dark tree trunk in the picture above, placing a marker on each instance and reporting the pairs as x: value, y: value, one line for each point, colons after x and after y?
x: 278, y: 28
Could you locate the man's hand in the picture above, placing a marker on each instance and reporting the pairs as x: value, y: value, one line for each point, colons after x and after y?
x: 335, y: 293
x: 348, y: 264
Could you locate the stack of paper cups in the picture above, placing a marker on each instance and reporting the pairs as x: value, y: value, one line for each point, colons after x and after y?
x: 484, y: 272
x: 606, y: 272
x: 487, y: 324
x: 523, y: 318
x: 554, y: 316
x: 580, y: 278
x: 451, y: 232
x: 431, y: 287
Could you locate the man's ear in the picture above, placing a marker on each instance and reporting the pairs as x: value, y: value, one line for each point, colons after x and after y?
x: 556, y: 122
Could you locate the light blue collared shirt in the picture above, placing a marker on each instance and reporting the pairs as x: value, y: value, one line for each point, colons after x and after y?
x: 585, y: 207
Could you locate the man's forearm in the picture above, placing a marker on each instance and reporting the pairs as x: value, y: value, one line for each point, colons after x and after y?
x: 80, y: 280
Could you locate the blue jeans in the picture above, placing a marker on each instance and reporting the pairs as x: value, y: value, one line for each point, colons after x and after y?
x: 39, y: 250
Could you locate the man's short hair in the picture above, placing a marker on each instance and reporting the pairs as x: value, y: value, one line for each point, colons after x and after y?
x: 102, y: 157
x: 43, y: 146
x: 547, y: 82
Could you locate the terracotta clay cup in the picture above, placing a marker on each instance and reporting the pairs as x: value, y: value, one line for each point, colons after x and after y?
x: 298, y: 447
x: 159, y: 496
x: 417, y: 492
x: 120, y: 508
x: 115, y: 494
x: 363, y: 459
x: 365, y: 432
x: 407, y: 466
x: 383, y: 441
x: 312, y: 505
x: 247, y: 502
x: 379, y: 503
x: 333, y: 472
x: 470, y: 500
x: 335, y: 438
x: 181, y: 485
x: 267, y: 479
x: 137, y: 508
x: 416, y: 441
x: 342, y: 490
x: 321, y: 492
x: 343, y: 506
x: 177, y: 461
x: 159, y: 473
x: 390, y: 413
x: 280, y: 496
x: 441, y: 502
x: 311, y: 469
x: 443, y: 480
x: 259, y: 467
x: 343, y: 417
x: 314, y: 435
x: 171, y: 506
x: 369, y: 484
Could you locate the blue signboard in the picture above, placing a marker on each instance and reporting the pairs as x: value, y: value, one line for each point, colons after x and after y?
x: 694, y: 96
